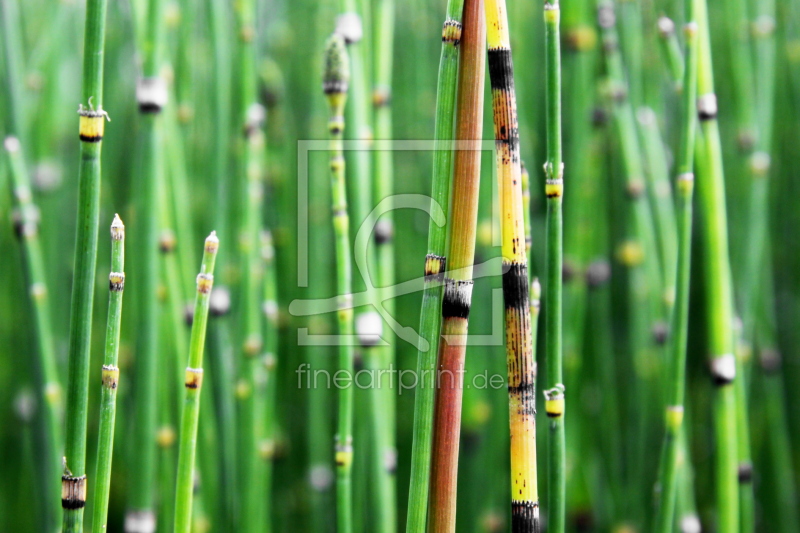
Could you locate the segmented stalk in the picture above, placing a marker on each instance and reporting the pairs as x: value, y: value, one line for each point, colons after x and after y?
x: 671, y: 50
x: 251, y: 116
x: 684, y: 186
x: 457, y: 297
x: 26, y: 226
x: 554, y: 190
x: 151, y: 95
x: 335, y: 84
x: 519, y: 355
x: 719, y: 298
x: 435, y: 265
x: 91, y: 128
x: 109, y: 377
x: 190, y: 416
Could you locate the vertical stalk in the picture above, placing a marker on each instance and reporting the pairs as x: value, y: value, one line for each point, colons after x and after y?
x: 684, y: 186
x: 335, y: 84
x: 435, y: 264
x: 250, y: 118
x: 457, y: 297
x: 719, y: 298
x: 671, y: 50
x: 194, y: 380
x: 382, y: 188
x: 519, y: 354
x: 110, y: 377
x: 91, y: 127
x: 554, y: 189
x: 151, y: 94
x: 26, y: 225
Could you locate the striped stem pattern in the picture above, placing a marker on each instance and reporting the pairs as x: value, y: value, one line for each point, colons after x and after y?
x: 435, y: 265
x: 554, y: 191
x: 684, y: 186
x: 91, y: 129
x: 335, y: 84
x: 457, y: 296
x: 190, y: 416
x: 109, y: 377
x: 519, y: 354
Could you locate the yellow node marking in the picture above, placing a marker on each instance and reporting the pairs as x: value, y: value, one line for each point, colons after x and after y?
x: 194, y: 378
x: 91, y: 128
x: 110, y: 376
x: 554, y: 188
x: 674, y: 416
x: 554, y: 408
x: 204, y: 283
x: 630, y: 254
x: 552, y: 13
x: 344, y: 458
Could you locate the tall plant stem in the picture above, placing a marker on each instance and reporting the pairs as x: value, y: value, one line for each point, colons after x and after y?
x: 719, y: 300
x: 91, y: 127
x: 435, y: 264
x: 457, y: 297
x: 109, y: 377
x: 684, y: 185
x: 250, y: 145
x: 335, y: 84
x: 519, y: 353
x: 193, y: 383
x: 554, y: 190
x: 26, y: 223
x: 382, y: 189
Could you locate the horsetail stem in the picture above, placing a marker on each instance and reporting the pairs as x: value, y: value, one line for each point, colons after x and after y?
x: 672, y: 51
x: 435, y: 265
x: 26, y: 225
x: 554, y: 187
x: 336, y: 79
x: 684, y: 186
x: 719, y: 300
x: 91, y: 128
x: 109, y: 377
x: 250, y: 116
x: 457, y: 297
x: 190, y: 415
x: 151, y: 96
x: 519, y: 353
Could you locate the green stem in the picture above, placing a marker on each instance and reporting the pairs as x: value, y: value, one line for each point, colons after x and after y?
x: 91, y: 134
x: 719, y: 298
x: 110, y: 377
x: 554, y: 187
x: 680, y: 319
x: 435, y: 264
x: 194, y: 381
x: 335, y: 83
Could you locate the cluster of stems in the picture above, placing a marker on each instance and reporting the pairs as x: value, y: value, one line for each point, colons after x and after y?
x: 457, y: 297
x: 434, y: 268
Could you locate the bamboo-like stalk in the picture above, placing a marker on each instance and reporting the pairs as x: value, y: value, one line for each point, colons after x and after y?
x: 554, y: 189
x: 26, y: 224
x: 91, y: 128
x: 335, y: 84
x: 109, y: 377
x: 435, y: 265
x: 519, y: 354
x: 151, y: 95
x: 457, y: 297
x: 270, y: 362
x: 250, y: 116
x: 684, y: 185
x: 383, y: 188
x: 190, y: 416
x: 719, y: 298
